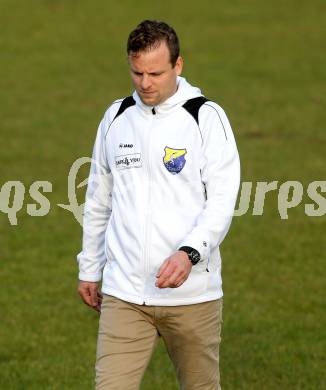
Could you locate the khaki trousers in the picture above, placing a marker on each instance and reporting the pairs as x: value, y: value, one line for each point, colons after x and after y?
x: 128, y: 334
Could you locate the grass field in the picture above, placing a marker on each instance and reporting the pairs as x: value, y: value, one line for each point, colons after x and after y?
x: 62, y: 63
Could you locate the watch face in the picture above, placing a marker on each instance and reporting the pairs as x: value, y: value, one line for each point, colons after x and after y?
x: 194, y: 257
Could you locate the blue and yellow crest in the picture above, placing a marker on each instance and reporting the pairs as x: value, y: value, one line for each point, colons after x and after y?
x: 174, y: 159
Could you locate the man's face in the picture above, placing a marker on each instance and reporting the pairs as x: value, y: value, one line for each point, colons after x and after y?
x: 152, y: 74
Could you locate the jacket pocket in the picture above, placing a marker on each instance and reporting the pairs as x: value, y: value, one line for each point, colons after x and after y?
x: 195, y: 285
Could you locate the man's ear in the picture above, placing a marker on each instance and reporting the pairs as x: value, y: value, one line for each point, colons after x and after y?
x: 179, y: 66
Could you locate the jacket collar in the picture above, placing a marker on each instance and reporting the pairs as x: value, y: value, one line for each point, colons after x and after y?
x: 184, y: 92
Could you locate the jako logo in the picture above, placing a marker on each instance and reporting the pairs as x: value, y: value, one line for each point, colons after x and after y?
x: 126, y: 146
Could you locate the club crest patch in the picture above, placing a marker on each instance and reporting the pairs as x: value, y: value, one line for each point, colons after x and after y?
x: 174, y: 159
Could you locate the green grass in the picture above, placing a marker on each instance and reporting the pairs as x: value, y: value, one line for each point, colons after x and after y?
x: 62, y: 63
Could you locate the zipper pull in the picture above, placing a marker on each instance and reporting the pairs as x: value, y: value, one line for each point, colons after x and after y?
x: 153, y: 111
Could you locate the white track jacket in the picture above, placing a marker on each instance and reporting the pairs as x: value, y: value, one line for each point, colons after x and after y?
x: 161, y: 178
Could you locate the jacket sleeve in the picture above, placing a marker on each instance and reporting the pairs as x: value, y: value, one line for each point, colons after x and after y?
x: 97, y: 211
x: 220, y: 173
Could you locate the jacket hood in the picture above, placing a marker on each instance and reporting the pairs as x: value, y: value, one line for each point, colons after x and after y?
x: 184, y: 92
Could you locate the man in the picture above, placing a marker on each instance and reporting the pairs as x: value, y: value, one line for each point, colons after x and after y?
x: 160, y: 199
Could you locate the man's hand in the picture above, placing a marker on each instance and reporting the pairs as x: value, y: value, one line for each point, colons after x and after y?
x: 174, y: 271
x: 90, y: 295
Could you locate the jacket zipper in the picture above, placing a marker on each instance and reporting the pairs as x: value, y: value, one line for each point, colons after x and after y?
x: 149, y: 200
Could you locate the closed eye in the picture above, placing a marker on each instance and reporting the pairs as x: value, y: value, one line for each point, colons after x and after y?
x: 151, y: 74
x: 156, y: 73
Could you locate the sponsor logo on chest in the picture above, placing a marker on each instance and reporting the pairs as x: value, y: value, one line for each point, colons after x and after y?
x: 128, y: 161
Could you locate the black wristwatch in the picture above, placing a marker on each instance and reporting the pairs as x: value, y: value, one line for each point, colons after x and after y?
x: 193, y: 254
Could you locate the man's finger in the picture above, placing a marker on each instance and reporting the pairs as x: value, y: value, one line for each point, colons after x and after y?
x: 162, y: 268
x: 167, y: 279
x: 89, y: 294
x: 165, y: 275
x: 175, y: 277
x: 179, y: 282
x: 84, y: 294
x: 93, y: 293
x: 167, y: 271
x: 97, y: 307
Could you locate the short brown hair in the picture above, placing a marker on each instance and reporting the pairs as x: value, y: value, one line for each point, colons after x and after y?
x: 149, y: 34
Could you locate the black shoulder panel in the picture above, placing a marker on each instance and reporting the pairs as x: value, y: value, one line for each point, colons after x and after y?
x: 193, y: 106
x: 126, y: 102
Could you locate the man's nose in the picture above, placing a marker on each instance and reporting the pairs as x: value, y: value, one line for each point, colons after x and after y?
x: 145, y: 82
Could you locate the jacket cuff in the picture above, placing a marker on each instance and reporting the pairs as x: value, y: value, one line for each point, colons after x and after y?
x: 89, y: 277
x: 201, y: 245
